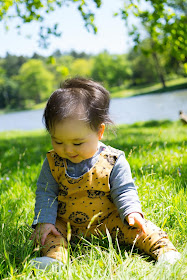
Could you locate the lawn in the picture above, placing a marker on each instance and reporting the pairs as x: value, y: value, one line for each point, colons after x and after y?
x: 171, y: 85
x: 156, y: 153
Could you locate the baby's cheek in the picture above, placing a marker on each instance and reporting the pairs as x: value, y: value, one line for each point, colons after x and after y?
x: 86, y: 152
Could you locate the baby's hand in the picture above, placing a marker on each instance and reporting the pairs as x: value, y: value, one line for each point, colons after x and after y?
x: 41, y: 232
x: 136, y: 220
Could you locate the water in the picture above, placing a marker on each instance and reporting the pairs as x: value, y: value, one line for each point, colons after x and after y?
x: 125, y: 110
x: 149, y: 107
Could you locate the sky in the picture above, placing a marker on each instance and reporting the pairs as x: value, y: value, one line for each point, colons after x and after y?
x: 112, y: 33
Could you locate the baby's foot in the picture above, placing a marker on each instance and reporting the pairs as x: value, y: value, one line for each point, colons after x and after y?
x: 170, y: 257
x: 46, y: 262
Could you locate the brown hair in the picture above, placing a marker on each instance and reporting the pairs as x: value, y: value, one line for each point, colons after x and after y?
x: 75, y: 94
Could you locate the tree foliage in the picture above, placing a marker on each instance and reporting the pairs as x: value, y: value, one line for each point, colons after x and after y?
x: 12, y: 64
x: 112, y: 70
x: 36, y: 10
x: 82, y: 67
x: 8, y: 91
x: 163, y: 22
x: 35, y: 81
x: 25, y: 81
x: 158, y: 33
x: 142, y: 67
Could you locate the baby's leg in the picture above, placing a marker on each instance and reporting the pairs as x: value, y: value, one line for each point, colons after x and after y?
x: 153, y: 242
x: 56, y: 246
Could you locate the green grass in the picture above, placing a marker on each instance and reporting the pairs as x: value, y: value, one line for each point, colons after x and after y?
x: 177, y: 84
x: 156, y: 153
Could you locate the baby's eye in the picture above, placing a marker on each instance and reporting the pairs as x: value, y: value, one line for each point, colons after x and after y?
x: 58, y: 143
x: 77, y: 144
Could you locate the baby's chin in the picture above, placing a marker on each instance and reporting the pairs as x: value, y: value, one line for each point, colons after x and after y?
x: 76, y: 159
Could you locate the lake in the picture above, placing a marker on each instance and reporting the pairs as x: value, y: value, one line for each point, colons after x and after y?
x: 123, y: 110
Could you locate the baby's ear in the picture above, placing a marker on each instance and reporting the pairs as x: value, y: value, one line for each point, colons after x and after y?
x: 101, y: 131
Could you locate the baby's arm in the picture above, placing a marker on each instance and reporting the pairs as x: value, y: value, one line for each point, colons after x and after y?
x: 46, y: 204
x: 124, y: 194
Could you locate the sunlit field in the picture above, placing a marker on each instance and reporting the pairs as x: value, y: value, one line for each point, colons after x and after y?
x: 156, y: 152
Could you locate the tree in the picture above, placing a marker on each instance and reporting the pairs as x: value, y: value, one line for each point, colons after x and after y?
x: 62, y: 72
x: 8, y: 91
x: 79, y: 55
x: 112, y: 70
x: 66, y: 66
x: 81, y: 67
x: 142, y: 67
x: 35, y: 81
x: 12, y: 64
x: 164, y: 23
x: 36, y: 10
x: 60, y: 66
x: 38, y: 56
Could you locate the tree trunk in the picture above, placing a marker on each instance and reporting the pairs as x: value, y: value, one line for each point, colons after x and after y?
x: 159, y: 69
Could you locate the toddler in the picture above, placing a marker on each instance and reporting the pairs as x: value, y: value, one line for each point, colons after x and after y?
x: 86, y: 183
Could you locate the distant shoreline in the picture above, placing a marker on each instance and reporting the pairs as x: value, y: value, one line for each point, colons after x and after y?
x: 116, y: 95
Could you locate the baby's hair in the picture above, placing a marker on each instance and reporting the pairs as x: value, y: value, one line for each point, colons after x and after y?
x: 78, y: 97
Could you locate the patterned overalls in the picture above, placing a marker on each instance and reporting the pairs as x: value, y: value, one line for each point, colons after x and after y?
x: 80, y: 199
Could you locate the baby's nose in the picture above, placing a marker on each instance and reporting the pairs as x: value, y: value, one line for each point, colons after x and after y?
x: 68, y: 149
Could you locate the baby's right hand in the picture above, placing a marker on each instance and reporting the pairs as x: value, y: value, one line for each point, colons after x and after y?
x: 41, y: 232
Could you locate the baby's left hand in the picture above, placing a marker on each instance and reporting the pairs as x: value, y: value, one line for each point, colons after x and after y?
x: 136, y: 220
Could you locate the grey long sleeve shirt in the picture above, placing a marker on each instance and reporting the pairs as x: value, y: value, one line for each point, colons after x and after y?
x: 122, y: 188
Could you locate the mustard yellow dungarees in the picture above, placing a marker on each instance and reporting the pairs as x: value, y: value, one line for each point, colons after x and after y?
x: 81, y: 198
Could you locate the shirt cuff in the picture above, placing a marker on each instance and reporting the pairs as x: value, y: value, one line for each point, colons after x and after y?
x: 49, y: 220
x: 123, y: 215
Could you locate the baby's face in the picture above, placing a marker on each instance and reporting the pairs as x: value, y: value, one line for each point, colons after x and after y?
x: 75, y: 140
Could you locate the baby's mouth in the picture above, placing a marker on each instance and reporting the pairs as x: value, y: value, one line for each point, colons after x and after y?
x: 73, y: 156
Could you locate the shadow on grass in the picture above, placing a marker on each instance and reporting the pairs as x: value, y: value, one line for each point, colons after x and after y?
x: 27, y: 151
x: 157, y: 143
x: 153, y: 123
x: 144, y: 134
x: 22, y: 152
x: 163, y: 90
